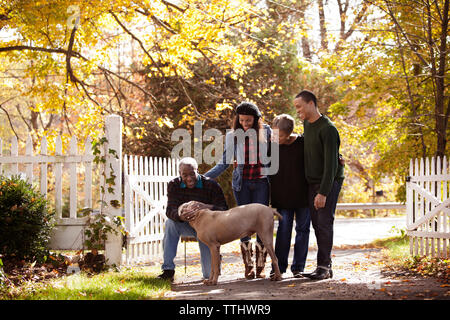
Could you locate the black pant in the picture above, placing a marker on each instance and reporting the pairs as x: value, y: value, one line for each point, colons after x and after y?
x: 322, y: 222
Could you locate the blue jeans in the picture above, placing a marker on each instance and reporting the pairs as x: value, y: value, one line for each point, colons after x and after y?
x: 253, y: 191
x: 284, y: 233
x: 172, y: 233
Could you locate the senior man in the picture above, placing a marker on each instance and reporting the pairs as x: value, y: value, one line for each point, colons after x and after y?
x: 190, y: 185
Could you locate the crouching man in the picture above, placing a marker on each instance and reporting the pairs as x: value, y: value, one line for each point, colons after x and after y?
x: 190, y: 185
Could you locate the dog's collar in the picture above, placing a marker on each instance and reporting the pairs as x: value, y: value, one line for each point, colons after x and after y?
x: 199, y: 183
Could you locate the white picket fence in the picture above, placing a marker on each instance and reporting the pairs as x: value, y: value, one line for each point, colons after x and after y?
x: 64, y: 171
x: 9, y: 165
x: 145, y: 198
x: 428, y: 207
x: 26, y: 165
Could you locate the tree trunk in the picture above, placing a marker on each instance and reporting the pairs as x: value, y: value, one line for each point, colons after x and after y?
x: 323, y: 28
x: 440, y: 114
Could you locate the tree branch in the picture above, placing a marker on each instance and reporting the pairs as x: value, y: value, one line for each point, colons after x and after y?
x: 138, y: 40
x: 10, y: 122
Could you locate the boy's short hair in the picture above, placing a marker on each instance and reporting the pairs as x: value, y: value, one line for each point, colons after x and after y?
x: 284, y: 122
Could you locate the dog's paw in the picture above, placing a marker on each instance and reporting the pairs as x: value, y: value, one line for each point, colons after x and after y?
x: 274, y: 277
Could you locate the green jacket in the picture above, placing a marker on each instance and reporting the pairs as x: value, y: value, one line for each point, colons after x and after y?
x: 322, y: 154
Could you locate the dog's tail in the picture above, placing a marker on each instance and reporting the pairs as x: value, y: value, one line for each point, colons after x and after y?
x: 275, y: 213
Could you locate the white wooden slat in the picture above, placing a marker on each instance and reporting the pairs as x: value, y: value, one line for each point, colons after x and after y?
x: 409, y: 203
x: 102, y: 173
x: 416, y: 196
x: 29, y: 153
x: 446, y: 216
x: 136, y: 195
x: 160, y: 185
x: 430, y: 224
x: 88, y: 174
x: 127, y: 199
x: 422, y: 204
x: 151, y: 173
x: 141, y: 201
x: 437, y: 192
x: 131, y: 196
x: 14, y: 169
x: 43, y: 169
x: 146, y: 189
x: 160, y: 191
x: 73, y: 178
x: 166, y: 174
x: 58, y: 178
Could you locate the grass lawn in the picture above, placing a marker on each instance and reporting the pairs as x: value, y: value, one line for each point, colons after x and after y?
x: 398, y: 257
x: 131, y: 283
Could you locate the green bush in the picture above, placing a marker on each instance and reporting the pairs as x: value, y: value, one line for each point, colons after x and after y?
x: 25, y: 221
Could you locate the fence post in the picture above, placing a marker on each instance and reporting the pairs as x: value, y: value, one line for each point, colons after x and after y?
x: 113, y: 131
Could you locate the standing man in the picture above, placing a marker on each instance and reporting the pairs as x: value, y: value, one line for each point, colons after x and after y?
x: 324, y: 174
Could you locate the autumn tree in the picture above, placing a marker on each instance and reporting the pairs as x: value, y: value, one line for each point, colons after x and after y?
x: 395, y: 84
x: 68, y: 52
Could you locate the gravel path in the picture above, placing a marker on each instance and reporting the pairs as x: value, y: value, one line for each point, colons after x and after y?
x: 357, y: 272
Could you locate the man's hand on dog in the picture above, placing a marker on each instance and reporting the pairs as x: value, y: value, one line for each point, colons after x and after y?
x: 188, y: 211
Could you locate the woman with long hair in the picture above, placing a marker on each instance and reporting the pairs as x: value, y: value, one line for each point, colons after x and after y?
x: 248, y: 140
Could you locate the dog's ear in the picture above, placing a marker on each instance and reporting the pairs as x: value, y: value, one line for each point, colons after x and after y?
x: 181, y: 208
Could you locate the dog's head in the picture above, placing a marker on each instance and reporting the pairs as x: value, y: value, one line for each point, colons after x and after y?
x: 192, y: 209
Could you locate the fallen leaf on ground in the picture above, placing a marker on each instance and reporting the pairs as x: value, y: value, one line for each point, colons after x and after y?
x: 121, y: 290
x: 420, y: 295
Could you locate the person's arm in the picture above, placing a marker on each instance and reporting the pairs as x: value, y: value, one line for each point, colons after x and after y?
x: 227, y: 155
x: 330, y: 138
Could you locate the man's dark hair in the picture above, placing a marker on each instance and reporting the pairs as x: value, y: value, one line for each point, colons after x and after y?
x: 308, y: 96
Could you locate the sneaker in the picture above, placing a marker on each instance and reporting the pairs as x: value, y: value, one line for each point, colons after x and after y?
x: 167, y: 275
x: 297, y: 274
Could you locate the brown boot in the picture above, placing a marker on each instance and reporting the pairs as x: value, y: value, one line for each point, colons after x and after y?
x: 247, y: 254
x: 261, y: 255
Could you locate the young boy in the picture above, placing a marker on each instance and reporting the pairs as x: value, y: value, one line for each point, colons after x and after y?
x: 289, y: 195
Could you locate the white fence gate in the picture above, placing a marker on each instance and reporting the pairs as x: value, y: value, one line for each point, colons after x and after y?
x: 428, y: 207
x: 146, y: 180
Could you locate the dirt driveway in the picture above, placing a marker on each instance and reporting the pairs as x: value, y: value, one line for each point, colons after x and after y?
x: 357, y: 276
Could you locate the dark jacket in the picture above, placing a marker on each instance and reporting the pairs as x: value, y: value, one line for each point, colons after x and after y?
x: 288, y: 187
x: 206, y: 190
